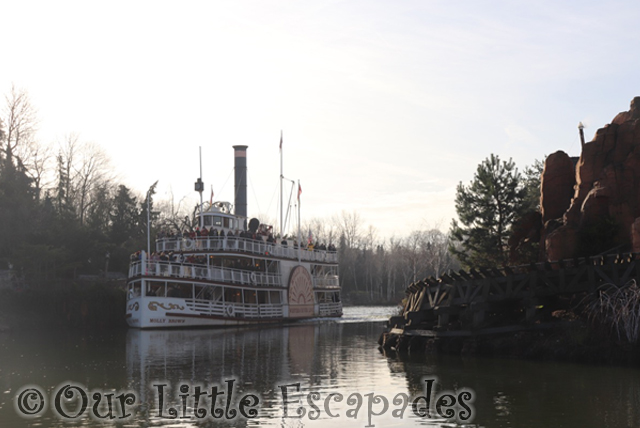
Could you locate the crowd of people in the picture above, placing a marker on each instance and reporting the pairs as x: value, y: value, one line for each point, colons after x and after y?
x: 172, y: 257
x: 260, y: 235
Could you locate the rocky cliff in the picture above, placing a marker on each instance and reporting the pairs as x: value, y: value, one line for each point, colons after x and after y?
x: 594, y: 206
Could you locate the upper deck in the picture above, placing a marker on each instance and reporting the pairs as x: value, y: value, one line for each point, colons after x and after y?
x: 234, y: 243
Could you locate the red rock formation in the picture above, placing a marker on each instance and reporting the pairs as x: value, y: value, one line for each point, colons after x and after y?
x: 557, y: 185
x: 607, y: 190
x: 525, y: 232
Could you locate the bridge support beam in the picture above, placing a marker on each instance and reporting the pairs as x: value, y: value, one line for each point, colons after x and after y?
x: 478, y: 310
x: 531, y: 307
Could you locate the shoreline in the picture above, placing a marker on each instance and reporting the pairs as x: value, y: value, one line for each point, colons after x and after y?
x: 69, y: 305
x: 570, y: 341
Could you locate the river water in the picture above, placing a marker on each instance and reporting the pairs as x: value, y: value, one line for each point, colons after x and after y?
x: 298, y: 375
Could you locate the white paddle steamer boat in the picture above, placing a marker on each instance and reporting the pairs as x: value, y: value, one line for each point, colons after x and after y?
x: 237, y: 273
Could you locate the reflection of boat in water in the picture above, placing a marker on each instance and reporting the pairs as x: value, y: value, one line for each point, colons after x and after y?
x: 257, y: 359
x: 231, y: 271
x: 264, y: 354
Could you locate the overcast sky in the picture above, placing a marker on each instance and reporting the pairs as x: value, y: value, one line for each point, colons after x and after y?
x: 385, y: 105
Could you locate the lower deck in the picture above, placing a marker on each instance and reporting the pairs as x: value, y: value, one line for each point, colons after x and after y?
x: 169, y: 302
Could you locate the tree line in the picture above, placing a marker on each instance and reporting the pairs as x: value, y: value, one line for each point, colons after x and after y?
x: 489, y: 208
x: 376, y: 270
x: 63, y: 213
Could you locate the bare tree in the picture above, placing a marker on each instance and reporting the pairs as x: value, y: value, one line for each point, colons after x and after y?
x: 323, y: 231
x: 392, y: 255
x: 349, y: 225
x: 37, y: 160
x: 20, y: 125
x: 438, y: 259
x: 91, y: 172
x: 86, y: 169
x: 172, y: 214
x: 413, y: 249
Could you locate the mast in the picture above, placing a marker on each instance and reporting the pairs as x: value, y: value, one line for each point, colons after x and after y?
x: 199, y: 186
x: 299, y: 236
x: 281, y: 193
x: 148, y: 222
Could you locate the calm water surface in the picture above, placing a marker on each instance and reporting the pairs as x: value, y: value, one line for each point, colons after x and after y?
x: 325, y: 357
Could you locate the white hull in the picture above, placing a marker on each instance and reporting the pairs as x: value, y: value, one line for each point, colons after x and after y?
x: 163, y: 312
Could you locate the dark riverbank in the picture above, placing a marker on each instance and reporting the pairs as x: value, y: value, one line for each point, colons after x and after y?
x: 575, y: 341
x: 65, y: 305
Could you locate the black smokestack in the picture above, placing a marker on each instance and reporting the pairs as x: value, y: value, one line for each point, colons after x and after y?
x: 241, y: 180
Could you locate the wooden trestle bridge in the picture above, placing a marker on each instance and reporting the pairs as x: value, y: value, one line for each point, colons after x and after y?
x: 467, y: 302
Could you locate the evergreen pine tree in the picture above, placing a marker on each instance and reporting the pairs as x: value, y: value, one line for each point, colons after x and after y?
x: 124, y: 217
x: 486, y: 209
x: 18, y: 204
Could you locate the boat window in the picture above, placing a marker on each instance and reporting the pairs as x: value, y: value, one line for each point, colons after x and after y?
x: 134, y: 290
x: 226, y: 222
x: 203, y: 292
x: 217, y: 294
x: 232, y: 296
x: 177, y: 289
x: 208, y: 220
x: 156, y: 288
x: 217, y: 221
x: 250, y: 297
x: 274, y: 296
x: 263, y: 297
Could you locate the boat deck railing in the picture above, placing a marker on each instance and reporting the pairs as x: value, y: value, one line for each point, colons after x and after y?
x: 219, y: 274
x: 330, y: 309
x: 235, y: 310
x: 327, y: 281
x: 253, y: 246
x: 190, y: 271
x: 253, y: 310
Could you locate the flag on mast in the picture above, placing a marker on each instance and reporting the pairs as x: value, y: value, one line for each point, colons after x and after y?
x: 299, y: 191
x: 280, y: 140
x: 211, y: 199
